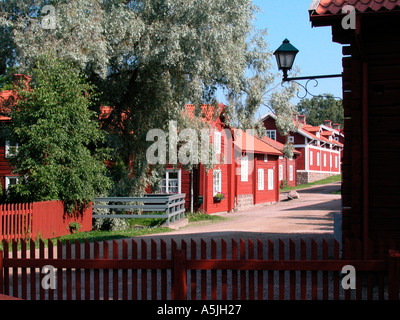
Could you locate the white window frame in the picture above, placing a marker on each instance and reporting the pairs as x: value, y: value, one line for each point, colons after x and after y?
x: 291, y: 139
x: 260, y: 180
x: 217, y: 142
x: 217, y: 177
x: 271, y: 134
x: 280, y: 172
x: 324, y: 159
x: 290, y: 173
x: 318, y: 156
x: 7, y: 181
x: 167, y: 179
x: 265, y: 158
x: 311, y: 158
x: 270, y: 179
x: 244, y: 169
x: 8, y: 147
x: 336, y: 162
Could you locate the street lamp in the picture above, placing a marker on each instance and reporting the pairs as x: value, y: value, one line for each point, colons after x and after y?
x: 285, y: 56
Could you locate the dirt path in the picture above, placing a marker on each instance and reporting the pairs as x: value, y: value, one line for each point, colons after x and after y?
x: 310, y: 216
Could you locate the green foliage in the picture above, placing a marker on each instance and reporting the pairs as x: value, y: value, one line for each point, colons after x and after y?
x: 149, y: 58
x: 320, y: 108
x: 58, y: 138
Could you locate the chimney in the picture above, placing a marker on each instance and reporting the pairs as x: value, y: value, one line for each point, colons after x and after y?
x: 328, y: 123
x: 301, y: 119
x: 336, y: 126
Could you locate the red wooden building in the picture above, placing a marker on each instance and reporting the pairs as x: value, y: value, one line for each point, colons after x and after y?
x: 8, y: 99
x: 371, y: 101
x: 247, y: 175
x: 319, y: 148
x: 287, y: 167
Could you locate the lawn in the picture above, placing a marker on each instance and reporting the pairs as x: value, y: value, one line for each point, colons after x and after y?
x: 328, y: 180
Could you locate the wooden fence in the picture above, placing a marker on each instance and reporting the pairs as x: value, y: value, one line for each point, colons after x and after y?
x: 217, y: 270
x: 173, y: 206
x: 46, y: 219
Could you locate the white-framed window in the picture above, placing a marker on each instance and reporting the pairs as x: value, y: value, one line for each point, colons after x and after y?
x: 271, y: 134
x: 216, y: 181
x: 324, y: 159
x: 336, y: 162
x: 330, y: 161
x: 260, y: 177
x: 11, y: 148
x: 244, y: 169
x: 217, y: 142
x: 311, y: 158
x: 318, y: 158
x: 291, y: 139
x: 172, y: 182
x: 280, y: 172
x: 265, y: 158
x: 10, y: 181
x: 290, y: 173
x: 270, y: 179
x: 336, y: 138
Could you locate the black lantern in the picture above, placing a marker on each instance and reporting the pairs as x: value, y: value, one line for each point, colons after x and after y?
x: 285, y: 56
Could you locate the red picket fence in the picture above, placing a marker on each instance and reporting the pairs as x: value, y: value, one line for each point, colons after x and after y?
x: 131, y: 270
x: 44, y: 220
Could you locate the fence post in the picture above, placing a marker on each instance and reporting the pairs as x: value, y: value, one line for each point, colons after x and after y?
x: 393, y: 274
x: 179, y: 285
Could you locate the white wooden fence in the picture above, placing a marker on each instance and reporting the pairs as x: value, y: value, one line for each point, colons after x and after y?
x: 173, y: 206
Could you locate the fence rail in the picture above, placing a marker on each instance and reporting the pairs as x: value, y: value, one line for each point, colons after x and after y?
x: 217, y: 270
x: 173, y: 206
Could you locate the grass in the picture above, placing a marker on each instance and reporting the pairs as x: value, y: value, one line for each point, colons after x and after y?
x: 199, y: 216
x: 328, y: 180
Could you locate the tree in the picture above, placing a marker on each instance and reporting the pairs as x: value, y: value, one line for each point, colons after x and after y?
x: 148, y: 58
x: 320, y: 108
x: 57, y: 158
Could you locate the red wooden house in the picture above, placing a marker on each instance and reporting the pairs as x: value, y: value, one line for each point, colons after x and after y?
x: 287, y: 166
x: 371, y: 102
x: 8, y: 99
x: 319, y: 147
x: 248, y: 174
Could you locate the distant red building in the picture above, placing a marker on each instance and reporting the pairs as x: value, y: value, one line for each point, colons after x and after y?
x: 319, y: 148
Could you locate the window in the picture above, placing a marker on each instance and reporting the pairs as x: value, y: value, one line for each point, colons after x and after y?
x: 244, y: 168
x: 324, y: 160
x: 172, y: 182
x: 336, y: 162
x: 291, y: 139
x: 11, y: 148
x: 317, y: 158
x: 265, y: 158
x: 290, y: 173
x: 336, y: 138
x: 270, y: 179
x: 311, y: 158
x: 260, y: 179
x: 271, y: 134
x: 217, y: 142
x: 216, y: 181
x: 10, y: 181
x: 280, y: 172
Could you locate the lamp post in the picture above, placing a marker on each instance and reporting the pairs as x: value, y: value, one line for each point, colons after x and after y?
x: 285, y: 56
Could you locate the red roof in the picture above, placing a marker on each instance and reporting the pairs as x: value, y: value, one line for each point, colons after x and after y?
x: 325, y: 7
x: 278, y: 145
x: 247, y: 142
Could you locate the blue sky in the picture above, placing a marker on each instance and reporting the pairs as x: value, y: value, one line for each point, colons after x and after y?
x: 318, y: 54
